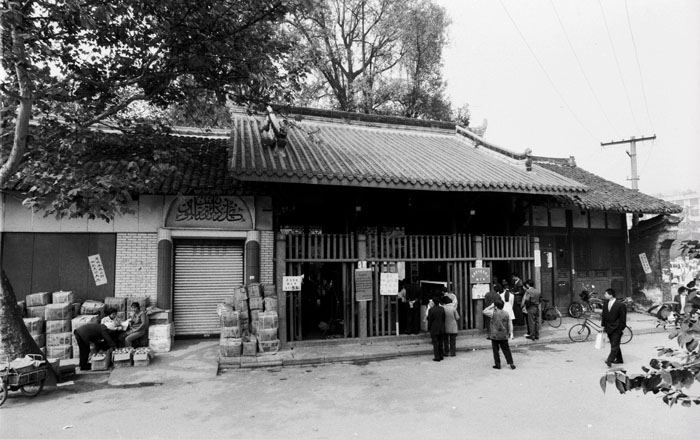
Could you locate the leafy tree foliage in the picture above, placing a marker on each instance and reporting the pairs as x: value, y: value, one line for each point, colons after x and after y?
x: 674, y: 370
x: 70, y: 66
x: 378, y: 56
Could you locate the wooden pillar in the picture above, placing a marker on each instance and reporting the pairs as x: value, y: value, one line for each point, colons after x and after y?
x: 280, y: 263
x: 478, y: 303
x: 537, y: 268
x: 361, y: 306
x: 164, y: 275
x: 628, y: 259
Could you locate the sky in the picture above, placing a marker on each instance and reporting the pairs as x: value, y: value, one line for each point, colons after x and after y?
x: 562, y: 76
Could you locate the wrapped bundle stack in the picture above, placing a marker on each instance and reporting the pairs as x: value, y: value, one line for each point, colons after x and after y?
x: 36, y: 304
x: 266, y: 329
x: 63, y: 297
x: 93, y: 307
x: 59, y: 329
x: 161, y: 337
x: 255, y: 300
x: 268, y: 290
x: 35, y: 325
x: 270, y: 304
x: 230, y: 339
x: 250, y: 346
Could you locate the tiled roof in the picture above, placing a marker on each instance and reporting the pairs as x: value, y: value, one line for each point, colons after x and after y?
x: 606, y: 195
x: 349, y: 154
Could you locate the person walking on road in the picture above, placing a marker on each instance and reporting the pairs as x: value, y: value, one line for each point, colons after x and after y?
x: 498, y: 333
x: 451, y: 328
x: 532, y: 304
x: 614, y: 320
x: 436, y: 327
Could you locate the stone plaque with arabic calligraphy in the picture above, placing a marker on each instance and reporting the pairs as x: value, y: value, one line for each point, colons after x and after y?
x: 211, y: 212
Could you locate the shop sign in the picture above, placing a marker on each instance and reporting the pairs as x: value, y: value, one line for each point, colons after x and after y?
x: 210, y: 212
x: 98, y: 270
x: 363, y: 284
x: 389, y: 284
x: 480, y: 275
x: 292, y: 283
x: 538, y: 259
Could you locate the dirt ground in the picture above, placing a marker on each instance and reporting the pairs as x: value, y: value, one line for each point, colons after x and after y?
x: 553, y: 393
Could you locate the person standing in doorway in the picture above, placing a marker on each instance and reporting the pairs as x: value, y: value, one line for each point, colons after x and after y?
x: 614, y: 321
x: 451, y: 328
x: 436, y: 327
x: 532, y: 304
x: 498, y: 333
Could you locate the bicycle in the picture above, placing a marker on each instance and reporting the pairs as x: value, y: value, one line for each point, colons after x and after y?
x: 581, y: 331
x: 589, y: 304
x: 550, y: 314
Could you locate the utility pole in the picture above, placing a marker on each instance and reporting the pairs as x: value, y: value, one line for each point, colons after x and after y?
x: 633, y: 155
x: 633, y: 163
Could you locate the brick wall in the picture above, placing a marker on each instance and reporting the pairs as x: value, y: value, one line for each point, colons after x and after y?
x: 136, y: 265
x: 267, y: 257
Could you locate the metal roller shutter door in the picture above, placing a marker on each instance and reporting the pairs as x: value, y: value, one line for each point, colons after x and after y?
x: 205, y: 273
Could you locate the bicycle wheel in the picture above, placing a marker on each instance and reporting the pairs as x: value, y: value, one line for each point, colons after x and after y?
x: 576, y: 310
x: 626, y: 335
x: 553, y: 317
x: 579, y: 332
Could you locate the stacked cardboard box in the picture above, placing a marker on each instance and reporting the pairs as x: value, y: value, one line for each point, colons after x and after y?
x: 230, y: 338
x: 161, y: 337
x: 58, y: 330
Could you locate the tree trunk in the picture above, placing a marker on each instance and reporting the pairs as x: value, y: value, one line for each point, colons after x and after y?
x: 15, y: 339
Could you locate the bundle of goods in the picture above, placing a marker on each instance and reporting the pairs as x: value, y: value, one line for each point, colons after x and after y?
x: 250, y: 346
x: 59, y: 345
x: 35, y: 326
x: 59, y: 311
x: 122, y: 357
x: 270, y: 304
x: 161, y: 337
x: 266, y: 329
x: 160, y: 317
x: 93, y: 307
x: 230, y: 347
x: 102, y: 360
x: 255, y: 300
x: 142, y: 356
x: 223, y: 307
x: 36, y: 304
x: 63, y: 297
x: 268, y: 290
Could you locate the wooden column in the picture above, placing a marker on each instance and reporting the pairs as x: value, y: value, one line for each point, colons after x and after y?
x: 280, y: 263
x: 478, y: 303
x: 361, y: 306
x: 537, y: 271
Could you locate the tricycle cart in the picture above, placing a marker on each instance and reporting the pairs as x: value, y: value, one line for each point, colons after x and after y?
x: 29, y: 380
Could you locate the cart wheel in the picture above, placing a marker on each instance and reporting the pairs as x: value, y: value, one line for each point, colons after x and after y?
x: 3, y: 393
x: 33, y: 389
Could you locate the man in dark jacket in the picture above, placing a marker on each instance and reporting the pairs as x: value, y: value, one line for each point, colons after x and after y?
x: 499, y: 333
x: 614, y: 321
x: 91, y: 333
x: 436, y: 327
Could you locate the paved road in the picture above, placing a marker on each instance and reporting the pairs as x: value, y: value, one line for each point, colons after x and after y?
x: 554, y: 393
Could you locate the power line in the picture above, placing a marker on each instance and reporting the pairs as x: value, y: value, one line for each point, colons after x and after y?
x: 639, y: 67
x: 549, y: 78
x: 580, y: 66
x: 617, y: 63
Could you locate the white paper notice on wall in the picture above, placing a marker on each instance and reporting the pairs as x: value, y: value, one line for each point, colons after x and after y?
x: 538, y: 258
x: 292, y: 283
x: 389, y: 284
x: 98, y: 270
x: 645, y: 263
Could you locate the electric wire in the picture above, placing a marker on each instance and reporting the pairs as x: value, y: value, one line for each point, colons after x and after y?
x: 580, y: 66
x: 617, y: 63
x: 549, y: 78
x: 641, y: 80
